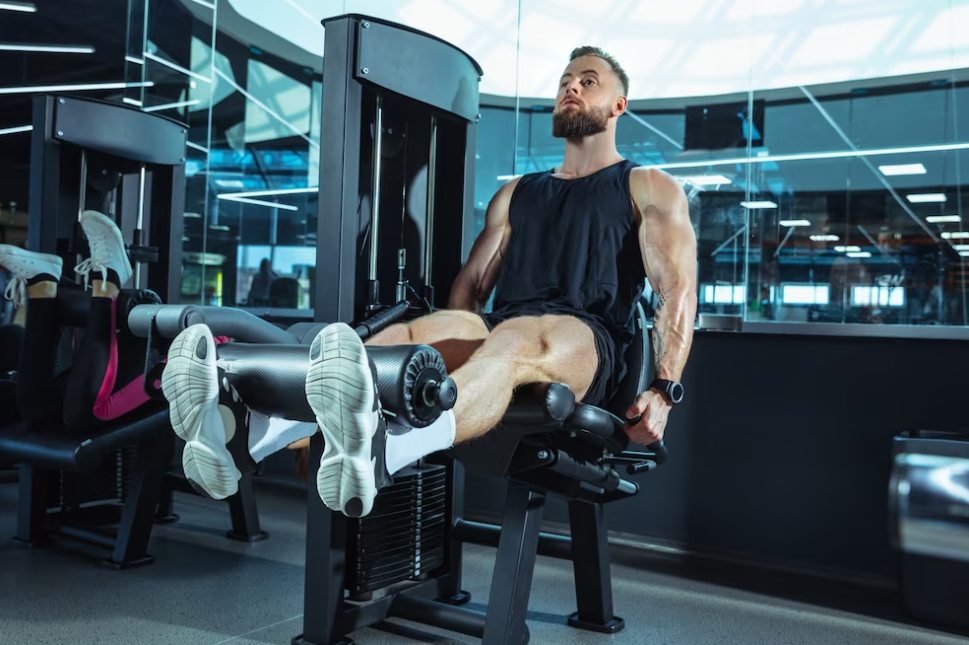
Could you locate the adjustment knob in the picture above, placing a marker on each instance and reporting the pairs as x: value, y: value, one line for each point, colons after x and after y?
x: 444, y: 394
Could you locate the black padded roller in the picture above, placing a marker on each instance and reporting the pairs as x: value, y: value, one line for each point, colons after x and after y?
x: 408, y: 377
x: 272, y: 379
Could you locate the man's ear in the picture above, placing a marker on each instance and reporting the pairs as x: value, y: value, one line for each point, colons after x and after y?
x: 619, y: 107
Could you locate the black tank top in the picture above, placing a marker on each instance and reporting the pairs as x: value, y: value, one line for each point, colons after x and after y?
x: 574, y: 248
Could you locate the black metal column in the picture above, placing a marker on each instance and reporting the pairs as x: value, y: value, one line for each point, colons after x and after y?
x: 514, y: 566
x: 45, y: 179
x: 32, y: 507
x: 454, y: 547
x: 164, y: 228
x: 326, y: 547
x: 337, y: 217
x: 131, y: 543
x: 590, y: 562
x: 245, y: 513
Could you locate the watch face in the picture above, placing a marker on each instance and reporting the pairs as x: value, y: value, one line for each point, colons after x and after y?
x: 675, y: 392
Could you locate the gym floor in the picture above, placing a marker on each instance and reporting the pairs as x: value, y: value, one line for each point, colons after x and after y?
x: 206, y: 590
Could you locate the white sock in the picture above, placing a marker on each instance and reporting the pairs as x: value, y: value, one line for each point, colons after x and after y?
x: 406, y: 445
x: 268, y: 435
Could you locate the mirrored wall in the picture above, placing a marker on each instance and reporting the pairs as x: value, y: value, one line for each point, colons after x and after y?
x: 821, y: 142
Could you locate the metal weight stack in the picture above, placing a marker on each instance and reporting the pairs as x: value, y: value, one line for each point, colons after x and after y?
x: 403, y: 537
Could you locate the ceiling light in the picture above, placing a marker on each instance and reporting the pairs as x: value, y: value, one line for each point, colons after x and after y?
x: 903, y: 169
x: 961, y: 247
x: 942, y: 219
x: 169, y: 106
x: 506, y: 177
x: 259, y: 202
x: 956, y: 235
x: 229, y: 183
x: 760, y: 204
x: 134, y: 102
x: 69, y: 88
x: 19, y: 128
x: 25, y: 7
x: 844, y: 154
x: 53, y: 49
x: 847, y: 249
x: 925, y: 198
x: 136, y: 61
x: 789, y: 223
x: 707, y: 180
x: 862, y: 254
x: 263, y: 193
x: 825, y: 238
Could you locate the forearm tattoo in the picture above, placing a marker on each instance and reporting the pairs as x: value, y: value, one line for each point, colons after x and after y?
x: 659, y: 320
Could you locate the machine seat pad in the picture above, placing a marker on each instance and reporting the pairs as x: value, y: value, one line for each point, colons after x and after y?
x: 598, y: 427
x: 55, y: 447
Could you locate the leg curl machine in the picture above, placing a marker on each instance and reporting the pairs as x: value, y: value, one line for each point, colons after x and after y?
x: 404, y: 559
x: 105, y: 487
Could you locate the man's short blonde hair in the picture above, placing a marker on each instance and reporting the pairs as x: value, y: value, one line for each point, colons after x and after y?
x: 589, y: 50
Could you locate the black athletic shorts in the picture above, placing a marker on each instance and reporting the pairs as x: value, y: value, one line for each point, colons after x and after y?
x: 604, y: 382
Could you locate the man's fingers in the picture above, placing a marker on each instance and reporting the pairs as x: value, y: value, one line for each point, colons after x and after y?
x: 638, y: 408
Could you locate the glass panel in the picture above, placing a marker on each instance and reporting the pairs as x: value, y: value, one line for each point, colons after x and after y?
x: 173, y: 54
x: 854, y: 190
x: 263, y: 176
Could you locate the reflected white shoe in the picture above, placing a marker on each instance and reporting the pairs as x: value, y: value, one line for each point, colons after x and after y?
x: 27, y: 267
x: 107, y: 249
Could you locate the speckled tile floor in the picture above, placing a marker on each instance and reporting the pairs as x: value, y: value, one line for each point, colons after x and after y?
x: 206, y: 590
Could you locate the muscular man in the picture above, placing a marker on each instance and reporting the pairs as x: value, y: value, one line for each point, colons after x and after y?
x: 567, y: 252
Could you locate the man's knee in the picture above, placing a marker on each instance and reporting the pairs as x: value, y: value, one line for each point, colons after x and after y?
x: 519, y: 339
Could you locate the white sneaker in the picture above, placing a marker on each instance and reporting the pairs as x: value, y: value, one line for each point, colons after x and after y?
x: 107, y: 249
x: 341, y: 389
x: 28, y: 267
x: 212, y: 422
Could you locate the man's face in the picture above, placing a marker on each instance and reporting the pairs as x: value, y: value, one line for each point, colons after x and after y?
x: 588, y: 93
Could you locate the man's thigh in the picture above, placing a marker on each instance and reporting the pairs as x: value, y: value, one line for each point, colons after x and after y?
x: 455, y: 334
x: 548, y: 349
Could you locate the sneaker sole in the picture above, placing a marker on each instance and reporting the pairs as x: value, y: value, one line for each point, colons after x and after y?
x: 190, y: 383
x: 340, y: 390
x: 105, y: 221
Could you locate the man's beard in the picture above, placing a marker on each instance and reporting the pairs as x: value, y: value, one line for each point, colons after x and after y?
x: 578, y: 124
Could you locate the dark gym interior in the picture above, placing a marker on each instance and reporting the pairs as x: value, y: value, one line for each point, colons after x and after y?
x: 277, y: 165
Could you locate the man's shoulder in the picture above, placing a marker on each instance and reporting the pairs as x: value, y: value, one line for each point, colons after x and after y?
x: 652, y: 186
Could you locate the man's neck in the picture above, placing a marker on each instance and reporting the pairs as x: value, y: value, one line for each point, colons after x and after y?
x: 588, y: 155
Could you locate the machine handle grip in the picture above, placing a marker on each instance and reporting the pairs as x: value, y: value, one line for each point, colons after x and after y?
x: 659, y: 450
x: 383, y: 319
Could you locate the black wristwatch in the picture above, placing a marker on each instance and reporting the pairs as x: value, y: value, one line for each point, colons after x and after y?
x: 672, y: 389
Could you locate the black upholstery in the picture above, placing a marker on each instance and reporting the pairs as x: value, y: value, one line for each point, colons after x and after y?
x: 57, y: 448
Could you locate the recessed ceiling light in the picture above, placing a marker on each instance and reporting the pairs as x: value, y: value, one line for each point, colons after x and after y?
x: 707, y: 180
x: 759, y: 204
x: 956, y: 235
x: 942, y: 219
x: 903, y: 169
x: 25, y: 7
x: 847, y: 249
x: 862, y: 254
x: 53, y: 49
x: 789, y: 223
x: 926, y: 198
x: 825, y: 238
